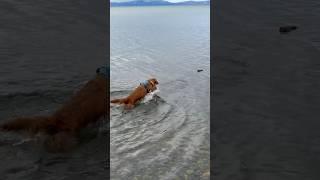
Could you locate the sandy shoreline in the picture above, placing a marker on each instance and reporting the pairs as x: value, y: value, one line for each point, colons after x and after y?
x: 265, y: 116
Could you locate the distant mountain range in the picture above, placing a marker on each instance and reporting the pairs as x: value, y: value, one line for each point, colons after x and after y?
x: 157, y: 3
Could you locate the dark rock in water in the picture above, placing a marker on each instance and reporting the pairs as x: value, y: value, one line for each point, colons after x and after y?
x: 199, y: 70
x: 287, y: 29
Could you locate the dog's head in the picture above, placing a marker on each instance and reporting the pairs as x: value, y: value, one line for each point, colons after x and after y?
x: 153, y: 84
x: 153, y: 81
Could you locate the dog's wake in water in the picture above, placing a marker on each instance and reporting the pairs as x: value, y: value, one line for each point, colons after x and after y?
x: 150, y: 96
x: 153, y: 136
x: 26, y: 144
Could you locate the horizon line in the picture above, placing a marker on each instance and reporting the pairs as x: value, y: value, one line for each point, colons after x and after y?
x: 162, y: 0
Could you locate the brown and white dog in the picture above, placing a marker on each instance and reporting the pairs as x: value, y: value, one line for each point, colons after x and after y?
x: 87, y: 106
x: 139, y: 93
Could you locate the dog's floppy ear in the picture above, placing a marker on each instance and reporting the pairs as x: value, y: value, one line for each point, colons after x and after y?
x: 154, y: 81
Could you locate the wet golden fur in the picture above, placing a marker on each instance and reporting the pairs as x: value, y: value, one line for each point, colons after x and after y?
x: 137, y: 94
x: 87, y: 106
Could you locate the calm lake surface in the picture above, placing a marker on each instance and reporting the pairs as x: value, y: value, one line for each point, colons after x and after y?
x: 167, y: 136
x: 48, y: 51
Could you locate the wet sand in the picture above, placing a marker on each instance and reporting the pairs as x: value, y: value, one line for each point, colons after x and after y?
x: 266, y: 101
x: 48, y: 50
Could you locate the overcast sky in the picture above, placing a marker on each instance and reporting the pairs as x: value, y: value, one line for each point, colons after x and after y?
x: 165, y: 0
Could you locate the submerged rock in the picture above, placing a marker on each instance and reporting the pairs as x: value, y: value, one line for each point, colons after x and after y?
x: 287, y: 29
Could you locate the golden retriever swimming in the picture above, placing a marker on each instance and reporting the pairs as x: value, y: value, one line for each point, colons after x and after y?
x: 140, y: 92
x: 87, y: 106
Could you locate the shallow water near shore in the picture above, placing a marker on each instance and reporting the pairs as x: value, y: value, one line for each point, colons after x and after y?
x: 166, y: 136
x: 266, y: 84
x: 24, y: 157
x: 49, y: 50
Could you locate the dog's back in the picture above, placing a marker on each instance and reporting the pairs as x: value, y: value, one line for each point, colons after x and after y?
x: 138, y: 93
x: 86, y: 106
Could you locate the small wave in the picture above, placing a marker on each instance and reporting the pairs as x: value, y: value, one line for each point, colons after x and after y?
x: 120, y: 92
x: 138, y: 134
x: 150, y: 96
x: 37, y: 93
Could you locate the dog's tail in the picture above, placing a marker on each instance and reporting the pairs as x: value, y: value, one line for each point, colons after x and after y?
x: 119, y: 101
x: 31, y: 124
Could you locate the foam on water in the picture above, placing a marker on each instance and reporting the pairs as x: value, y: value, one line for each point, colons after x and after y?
x: 150, y: 96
